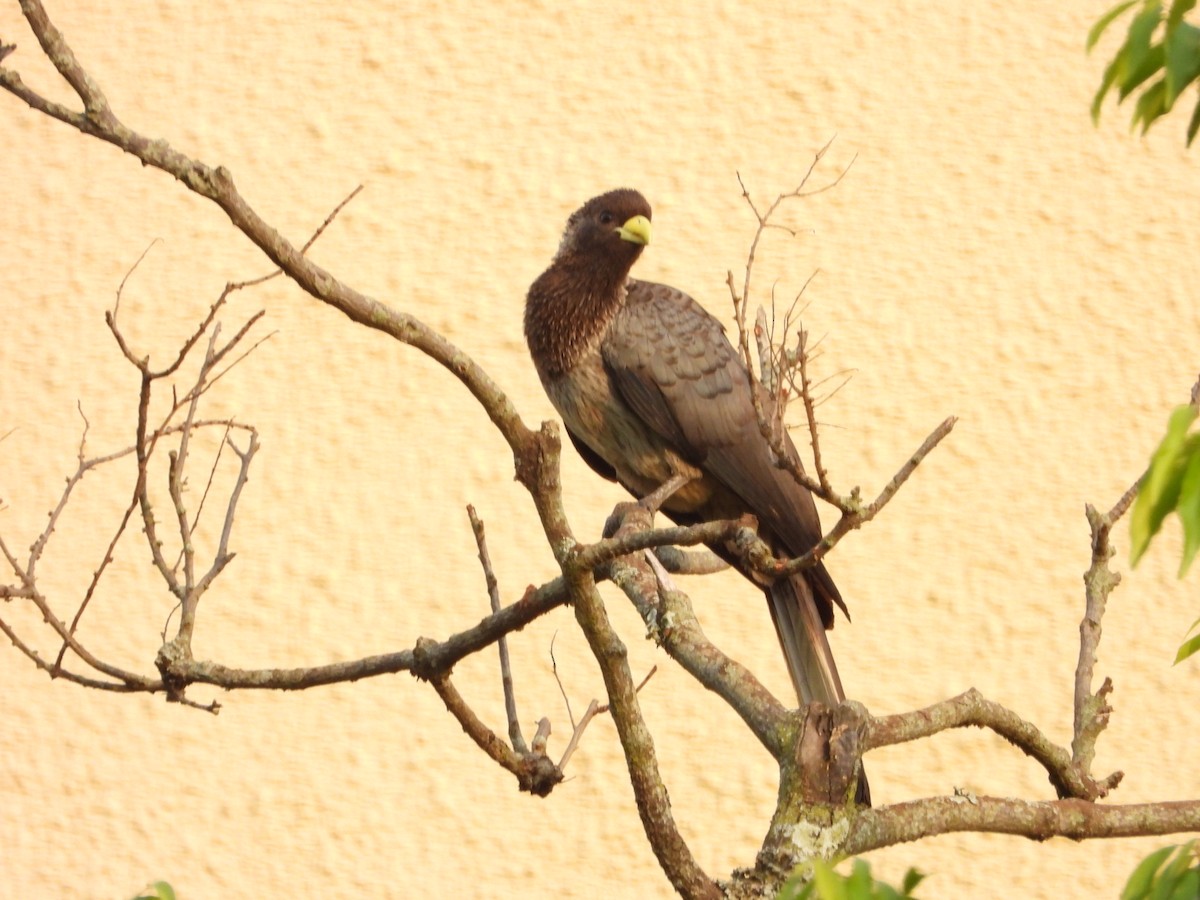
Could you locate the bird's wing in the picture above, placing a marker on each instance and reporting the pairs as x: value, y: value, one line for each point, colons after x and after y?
x: 672, y: 364
x: 667, y: 358
x: 675, y: 368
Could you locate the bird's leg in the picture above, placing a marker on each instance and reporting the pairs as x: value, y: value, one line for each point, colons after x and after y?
x: 653, y: 501
x: 649, y: 504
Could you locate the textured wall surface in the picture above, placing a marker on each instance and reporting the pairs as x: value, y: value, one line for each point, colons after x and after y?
x: 989, y: 255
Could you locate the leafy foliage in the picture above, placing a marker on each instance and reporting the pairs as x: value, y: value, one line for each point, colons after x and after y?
x: 1172, y: 484
x: 1159, y: 45
x: 160, y: 890
x: 1169, y: 873
x: 826, y: 884
x: 1190, y: 646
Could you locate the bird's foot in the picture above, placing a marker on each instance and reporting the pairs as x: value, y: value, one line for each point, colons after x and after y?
x: 654, y: 501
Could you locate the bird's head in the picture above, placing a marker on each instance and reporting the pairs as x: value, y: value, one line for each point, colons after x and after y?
x: 612, y: 228
x: 574, y: 299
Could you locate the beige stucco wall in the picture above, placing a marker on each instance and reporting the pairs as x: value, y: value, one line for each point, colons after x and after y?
x: 990, y: 255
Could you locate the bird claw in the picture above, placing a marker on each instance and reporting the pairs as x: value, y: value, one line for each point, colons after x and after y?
x: 623, y: 511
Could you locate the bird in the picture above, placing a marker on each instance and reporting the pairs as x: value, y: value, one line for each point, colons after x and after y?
x: 651, y: 390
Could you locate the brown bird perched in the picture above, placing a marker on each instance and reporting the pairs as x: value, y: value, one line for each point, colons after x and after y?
x: 650, y: 388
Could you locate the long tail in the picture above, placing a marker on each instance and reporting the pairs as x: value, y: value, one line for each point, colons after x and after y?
x: 806, y: 649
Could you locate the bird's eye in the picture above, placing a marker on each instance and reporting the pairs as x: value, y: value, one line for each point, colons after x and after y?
x: 606, y: 218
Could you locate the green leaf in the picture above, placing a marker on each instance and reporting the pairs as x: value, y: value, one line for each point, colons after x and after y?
x: 1104, y: 21
x: 830, y: 885
x: 1159, y: 490
x: 1150, y: 64
x: 1187, y: 648
x: 1188, y: 887
x: 911, y: 879
x: 1170, y: 878
x: 1188, y: 506
x: 1194, y: 125
x: 1179, y: 9
x: 1139, y: 883
x: 795, y: 889
x: 1169, y: 873
x: 1181, y: 60
x: 1150, y: 105
x: 1106, y: 82
x: 1141, y: 29
x: 859, y: 882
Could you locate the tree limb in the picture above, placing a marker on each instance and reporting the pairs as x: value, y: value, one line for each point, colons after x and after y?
x: 1037, y: 820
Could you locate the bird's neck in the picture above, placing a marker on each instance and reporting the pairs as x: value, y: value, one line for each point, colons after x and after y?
x: 569, y: 307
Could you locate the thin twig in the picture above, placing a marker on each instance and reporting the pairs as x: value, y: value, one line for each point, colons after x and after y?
x: 129, y: 273
x: 561, y: 689
x: 98, y: 572
x: 55, y: 671
x: 245, y: 457
x: 212, y: 477
x: 84, y: 466
x: 493, y: 589
x: 534, y: 770
x: 595, y: 708
x: 855, y: 514
x: 763, y: 338
x: 810, y: 410
x: 329, y: 219
x: 771, y: 420
x: 175, y: 480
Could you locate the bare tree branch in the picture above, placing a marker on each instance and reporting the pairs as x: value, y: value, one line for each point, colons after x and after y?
x: 855, y: 515
x: 534, y: 770
x: 672, y: 623
x: 216, y: 184
x: 654, y: 806
x: 818, y: 749
x: 973, y: 709
x: 695, y: 562
x: 1092, y: 709
x: 1037, y: 820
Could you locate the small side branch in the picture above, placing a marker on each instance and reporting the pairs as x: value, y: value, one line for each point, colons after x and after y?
x: 973, y: 709
x: 1075, y: 819
x: 695, y: 562
x: 785, y: 371
x: 506, y: 679
x: 534, y: 771
x: 1091, y: 710
x: 595, y: 708
x: 435, y: 658
x: 855, y: 514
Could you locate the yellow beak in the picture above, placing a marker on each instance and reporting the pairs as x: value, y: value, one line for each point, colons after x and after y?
x: 636, y: 230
